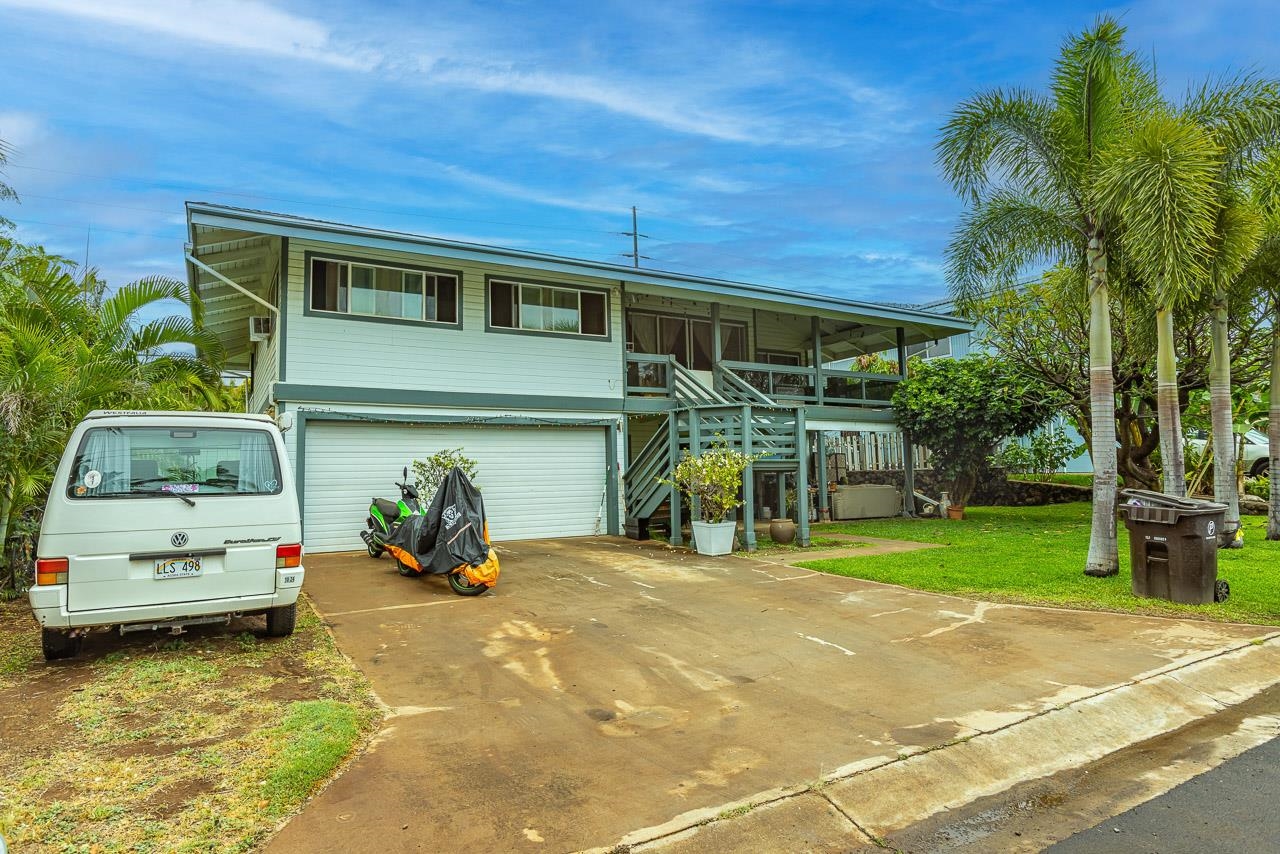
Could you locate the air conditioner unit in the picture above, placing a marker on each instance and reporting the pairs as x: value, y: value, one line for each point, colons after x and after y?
x: 260, y: 328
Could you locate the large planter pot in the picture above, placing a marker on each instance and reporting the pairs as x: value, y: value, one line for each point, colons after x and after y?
x: 714, y: 538
x: 955, y: 511
x: 782, y: 531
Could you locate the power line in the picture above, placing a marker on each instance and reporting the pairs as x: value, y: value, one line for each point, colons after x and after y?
x: 78, y: 226
x: 160, y: 185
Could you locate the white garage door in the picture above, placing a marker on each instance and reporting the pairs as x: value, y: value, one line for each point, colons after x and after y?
x: 535, y: 481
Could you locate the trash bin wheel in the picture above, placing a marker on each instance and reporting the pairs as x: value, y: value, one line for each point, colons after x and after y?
x: 1221, y: 590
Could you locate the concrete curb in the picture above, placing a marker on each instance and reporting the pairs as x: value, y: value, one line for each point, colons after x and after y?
x: 882, y: 795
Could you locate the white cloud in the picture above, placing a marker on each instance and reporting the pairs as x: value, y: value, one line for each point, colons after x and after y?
x: 247, y: 25
x: 20, y: 130
x: 627, y: 100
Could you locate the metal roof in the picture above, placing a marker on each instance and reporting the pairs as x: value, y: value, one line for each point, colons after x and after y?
x: 237, y: 243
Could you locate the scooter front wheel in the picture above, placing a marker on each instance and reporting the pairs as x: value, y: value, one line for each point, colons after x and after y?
x: 407, y: 571
x: 462, y: 587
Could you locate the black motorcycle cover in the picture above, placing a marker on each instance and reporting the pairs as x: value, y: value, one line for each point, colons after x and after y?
x: 450, y: 535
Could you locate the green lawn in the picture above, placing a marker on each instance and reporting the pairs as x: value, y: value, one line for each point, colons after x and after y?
x: 1036, y: 555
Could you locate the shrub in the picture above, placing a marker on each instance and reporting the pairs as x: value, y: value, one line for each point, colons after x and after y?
x: 1258, y: 486
x: 712, y: 479
x: 428, y: 474
x: 961, y: 409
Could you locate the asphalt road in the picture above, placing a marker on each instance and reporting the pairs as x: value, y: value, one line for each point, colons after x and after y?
x: 1231, y: 808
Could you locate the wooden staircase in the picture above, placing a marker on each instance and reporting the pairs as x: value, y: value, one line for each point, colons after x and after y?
x: 734, y: 414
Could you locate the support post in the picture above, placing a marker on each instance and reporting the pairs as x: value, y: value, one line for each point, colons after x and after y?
x: 611, y: 480
x: 824, y: 497
x: 673, y: 440
x: 802, y: 477
x: 695, y: 448
x: 908, y: 452
x: 748, y: 487
x: 717, y: 342
x: 819, y: 385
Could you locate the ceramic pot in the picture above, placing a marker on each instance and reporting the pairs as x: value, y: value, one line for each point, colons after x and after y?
x: 782, y: 531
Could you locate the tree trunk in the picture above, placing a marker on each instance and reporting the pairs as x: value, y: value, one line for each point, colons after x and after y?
x: 1103, y: 559
x: 1169, y: 414
x: 1273, y: 435
x: 8, y: 575
x: 1224, y: 445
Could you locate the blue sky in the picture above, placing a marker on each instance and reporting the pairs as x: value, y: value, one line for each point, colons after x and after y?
x: 787, y: 143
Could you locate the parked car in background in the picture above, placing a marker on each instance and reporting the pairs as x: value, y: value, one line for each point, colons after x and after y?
x: 1257, y: 450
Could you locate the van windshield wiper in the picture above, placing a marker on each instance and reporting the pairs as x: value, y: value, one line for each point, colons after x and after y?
x: 177, y: 495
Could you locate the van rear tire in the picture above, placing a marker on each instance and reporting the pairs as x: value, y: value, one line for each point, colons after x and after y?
x: 59, y: 645
x: 280, y: 621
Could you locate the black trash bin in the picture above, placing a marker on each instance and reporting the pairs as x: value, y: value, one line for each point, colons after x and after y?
x: 1173, y: 546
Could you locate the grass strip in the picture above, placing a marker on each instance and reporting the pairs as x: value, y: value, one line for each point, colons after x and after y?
x: 1036, y: 555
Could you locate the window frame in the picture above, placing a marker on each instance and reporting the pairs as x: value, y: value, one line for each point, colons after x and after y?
x: 309, y: 258
x: 516, y: 283
x: 689, y: 320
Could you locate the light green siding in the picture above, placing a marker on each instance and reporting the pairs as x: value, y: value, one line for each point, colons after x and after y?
x: 340, y: 351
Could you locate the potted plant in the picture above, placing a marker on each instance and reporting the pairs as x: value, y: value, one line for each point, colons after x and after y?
x: 711, y: 481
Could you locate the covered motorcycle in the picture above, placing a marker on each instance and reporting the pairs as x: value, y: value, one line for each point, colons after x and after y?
x: 451, y: 538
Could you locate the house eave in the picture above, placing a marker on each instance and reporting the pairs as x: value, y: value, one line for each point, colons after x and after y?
x: 924, y: 325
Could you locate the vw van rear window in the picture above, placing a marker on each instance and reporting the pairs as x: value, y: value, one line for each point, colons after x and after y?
x: 141, y: 462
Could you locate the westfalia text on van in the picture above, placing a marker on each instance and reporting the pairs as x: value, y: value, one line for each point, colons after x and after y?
x: 167, y: 519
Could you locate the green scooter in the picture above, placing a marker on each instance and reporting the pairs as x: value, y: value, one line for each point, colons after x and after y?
x: 385, y: 516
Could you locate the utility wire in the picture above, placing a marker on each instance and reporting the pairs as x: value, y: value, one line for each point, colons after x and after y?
x: 161, y: 185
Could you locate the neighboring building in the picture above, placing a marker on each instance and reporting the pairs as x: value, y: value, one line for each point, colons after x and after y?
x: 574, y: 384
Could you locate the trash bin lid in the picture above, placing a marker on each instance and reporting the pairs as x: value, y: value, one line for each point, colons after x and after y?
x: 1149, y: 498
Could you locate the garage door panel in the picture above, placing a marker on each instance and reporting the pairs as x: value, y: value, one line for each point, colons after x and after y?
x: 535, y: 482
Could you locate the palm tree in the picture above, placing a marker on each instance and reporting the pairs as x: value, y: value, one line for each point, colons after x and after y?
x: 67, y: 348
x: 6, y: 192
x: 1263, y: 277
x: 1241, y: 116
x: 1028, y: 164
x: 1162, y: 181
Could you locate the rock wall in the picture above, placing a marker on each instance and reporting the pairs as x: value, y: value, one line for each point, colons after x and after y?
x: 994, y: 488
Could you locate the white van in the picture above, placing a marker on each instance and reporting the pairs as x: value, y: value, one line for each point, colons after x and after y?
x: 167, y: 519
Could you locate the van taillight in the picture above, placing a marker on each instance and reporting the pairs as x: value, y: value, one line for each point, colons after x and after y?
x: 51, y: 570
x: 288, y: 556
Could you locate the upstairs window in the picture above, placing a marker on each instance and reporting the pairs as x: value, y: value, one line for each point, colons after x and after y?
x: 376, y: 290
x: 548, y: 308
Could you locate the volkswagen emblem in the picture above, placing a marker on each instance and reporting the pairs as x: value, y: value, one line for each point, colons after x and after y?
x: 179, y: 539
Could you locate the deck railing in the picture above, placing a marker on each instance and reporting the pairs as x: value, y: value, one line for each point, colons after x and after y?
x: 662, y: 376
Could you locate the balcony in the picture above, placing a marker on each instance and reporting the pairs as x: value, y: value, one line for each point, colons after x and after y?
x: 784, y: 385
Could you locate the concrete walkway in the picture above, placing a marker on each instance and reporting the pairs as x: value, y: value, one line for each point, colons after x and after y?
x: 614, y: 693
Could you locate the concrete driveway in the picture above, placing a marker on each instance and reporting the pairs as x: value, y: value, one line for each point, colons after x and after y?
x: 607, y: 686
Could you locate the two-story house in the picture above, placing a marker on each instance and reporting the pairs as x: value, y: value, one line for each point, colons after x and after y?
x: 574, y: 384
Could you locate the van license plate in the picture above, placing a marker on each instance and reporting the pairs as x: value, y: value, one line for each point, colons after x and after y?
x: 178, y: 567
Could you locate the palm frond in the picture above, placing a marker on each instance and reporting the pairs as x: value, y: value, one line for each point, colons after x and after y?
x: 1242, y: 112
x: 1002, y: 138
x: 175, y: 330
x: 1162, y: 179
x: 1239, y: 231
x: 118, y: 311
x: 1003, y: 235
x: 1097, y: 86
